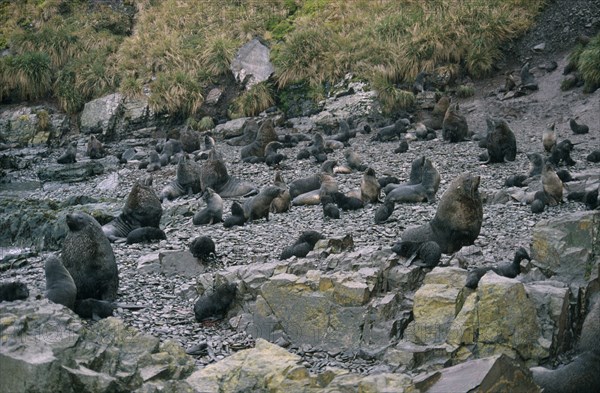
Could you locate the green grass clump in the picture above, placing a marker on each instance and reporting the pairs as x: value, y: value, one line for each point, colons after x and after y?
x: 392, y: 98
x: 465, y: 91
x: 176, y: 93
x: 589, y: 65
x: 253, y: 101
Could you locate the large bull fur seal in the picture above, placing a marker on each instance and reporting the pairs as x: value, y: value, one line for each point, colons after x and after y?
x: 213, y: 174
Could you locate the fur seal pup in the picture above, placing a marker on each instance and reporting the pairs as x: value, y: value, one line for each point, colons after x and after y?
x: 216, y: 304
x: 249, y: 131
x: 142, y: 209
x: 454, y: 126
x: 330, y: 209
x: 69, y: 155
x: 169, y: 149
x: 146, y: 235
x: 458, y: 218
x: 536, y: 164
x: 552, y: 185
x: 564, y: 175
x: 346, y: 202
x: 97, y: 309
x: 11, y: 291
x: 354, y: 161
x: 266, y: 133
x: 344, y: 134
x: 500, y: 141
x: 317, y: 148
x: 60, y: 287
x: 283, y: 202
x: 153, y: 162
x: 203, y: 247
x: 581, y: 375
x: 95, y: 149
x: 273, y: 158
x: 578, y: 129
x: 259, y: 205
x: 213, y: 174
x: 422, y: 254
x: 561, y: 153
x: 369, y: 187
x: 384, y: 212
x: 301, y: 247
x: 402, y: 147
x: 516, y: 181
x: 89, y: 258
x: 594, y: 156
x: 385, y: 180
x: 213, y: 212
x: 549, y: 137
x: 537, y: 206
x: 510, y: 270
x: 391, y: 132
x: 237, y: 216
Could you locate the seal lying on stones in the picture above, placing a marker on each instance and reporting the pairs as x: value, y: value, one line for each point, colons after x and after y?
x: 500, y: 141
x: 216, y: 304
x: 213, y: 174
x: 346, y: 202
x: 581, y: 375
x: 423, y: 184
x: 272, y: 158
x: 168, y: 150
x: 95, y: 149
x: 259, y: 205
x: 391, y: 132
x: 89, y: 258
x: 578, y: 128
x: 213, y: 212
x: 561, y: 153
x: 330, y: 209
x: 354, y: 161
x: 11, y: 291
x: 384, y: 212
x: 203, y: 247
x: 454, y: 126
x: 305, y: 184
x: 69, y: 155
x: 283, y: 202
x: 142, y: 209
x: 266, y: 133
x: 60, y: 287
x: 423, y: 254
x: 249, y: 131
x: 305, y: 243
x: 146, y: 235
x: 187, y: 181
x: 510, y: 270
x: 328, y: 185
x: 457, y: 221
x: 237, y: 216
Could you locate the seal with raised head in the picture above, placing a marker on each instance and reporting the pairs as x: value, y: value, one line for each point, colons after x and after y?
x: 549, y: 137
x: 458, y: 218
x: 142, y: 209
x: 283, y: 202
x: 69, y: 156
x: 216, y: 304
x: 213, y: 174
x: 266, y: 133
x: 89, y: 258
x: 187, y: 181
x: 304, y: 185
x: 328, y: 185
x: 259, y: 205
x: 60, y: 287
x: 249, y: 131
x: 369, y: 187
x: 301, y: 247
x: 510, y: 270
x: 354, y: 160
x: 95, y: 149
x: 552, y: 185
x: 213, y: 212
x: 237, y: 216
x: 436, y: 119
x: 500, y: 141
x: 454, y: 126
x: 384, y: 212
x: 536, y: 164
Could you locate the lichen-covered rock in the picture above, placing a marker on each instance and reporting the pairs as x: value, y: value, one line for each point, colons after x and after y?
x: 31, y: 125
x: 252, y: 65
x: 567, y: 247
x: 100, y: 116
x: 71, y: 173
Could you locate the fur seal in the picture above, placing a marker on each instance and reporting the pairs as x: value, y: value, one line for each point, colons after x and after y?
x: 168, y: 150
x: 317, y: 148
x: 344, y: 133
x: 330, y: 209
x: 369, y: 187
x: 385, y: 180
x: 215, y: 304
x: 213, y: 174
x: 457, y: 221
x: 145, y: 235
x: 409, y: 193
x: 273, y: 158
x: 259, y: 205
x: 304, y: 185
x: 142, y: 209
x: 581, y: 375
x: 89, y: 258
x: 516, y: 181
x: 527, y: 78
x: 69, y: 155
x: 190, y: 140
x: 423, y: 184
x: 249, y: 131
x: 213, y: 212
x: 536, y: 164
x: 454, y: 126
x: 510, y: 270
x: 384, y: 212
x: 594, y: 156
x: 391, y: 132
x: 328, y: 185
x: 203, y: 247
x: 346, y: 202
x: 283, y: 202
x: 500, y: 141
x: 436, y: 119
x: 537, y: 206
x: 354, y: 161
x: 549, y: 137
x: 11, y: 291
x: 552, y: 185
x: 561, y: 153
x: 266, y: 133
x: 187, y: 181
x: 60, y: 287
x: 578, y: 129
x: 422, y: 254
x: 305, y: 243
x: 95, y: 149
x: 153, y: 162
x: 402, y: 147
x: 237, y: 216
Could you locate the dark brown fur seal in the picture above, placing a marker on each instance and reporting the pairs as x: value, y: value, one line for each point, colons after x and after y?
x: 500, y: 141
x: 305, y: 184
x: 510, y: 270
x: 384, y: 212
x: 578, y: 128
x: 237, y: 216
x: 249, y: 131
x: 89, y: 258
x: 70, y: 154
x: 457, y: 221
x: 95, y: 149
x: 354, y: 161
x: 283, y: 202
x: 213, y: 174
x: 369, y: 187
x: 213, y: 212
x: 203, y: 248
x: 187, y: 181
x: 142, y: 209
x: 436, y: 119
x: 454, y: 127
x: 11, y: 291
x: 301, y: 247
x: 266, y: 133
x: 536, y: 164
x: 259, y: 205
x: 330, y: 209
x: 60, y: 287
x: 216, y: 304
x: 146, y: 235
x: 423, y: 184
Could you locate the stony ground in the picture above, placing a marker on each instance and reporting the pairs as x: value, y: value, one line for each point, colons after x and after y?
x: 170, y: 300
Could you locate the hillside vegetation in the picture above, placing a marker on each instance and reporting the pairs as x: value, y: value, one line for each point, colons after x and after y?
x: 172, y: 50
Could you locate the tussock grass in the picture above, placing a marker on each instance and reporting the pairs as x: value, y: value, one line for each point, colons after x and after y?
x: 589, y: 65
x: 253, y: 101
